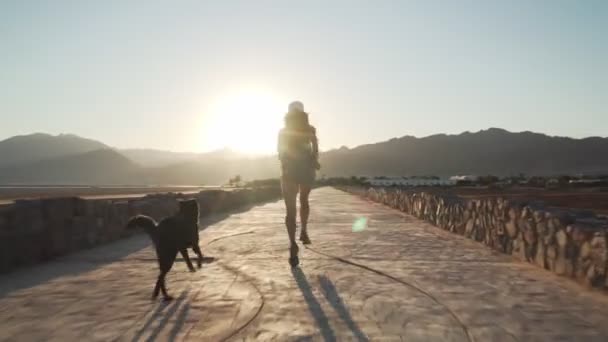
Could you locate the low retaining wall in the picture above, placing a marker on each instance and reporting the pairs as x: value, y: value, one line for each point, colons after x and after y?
x: 572, y: 243
x: 33, y: 231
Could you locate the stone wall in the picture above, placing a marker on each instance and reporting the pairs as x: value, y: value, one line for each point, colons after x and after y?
x: 572, y: 243
x: 33, y: 231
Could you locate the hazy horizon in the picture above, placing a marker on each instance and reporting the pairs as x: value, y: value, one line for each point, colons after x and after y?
x: 323, y: 150
x: 189, y: 76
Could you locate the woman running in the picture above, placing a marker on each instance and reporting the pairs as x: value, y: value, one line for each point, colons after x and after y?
x: 299, y: 155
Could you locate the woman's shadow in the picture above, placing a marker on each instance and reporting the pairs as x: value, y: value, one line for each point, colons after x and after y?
x: 331, y: 294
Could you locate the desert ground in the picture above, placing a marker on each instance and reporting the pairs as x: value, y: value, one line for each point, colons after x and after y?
x: 594, y: 199
x: 8, y: 194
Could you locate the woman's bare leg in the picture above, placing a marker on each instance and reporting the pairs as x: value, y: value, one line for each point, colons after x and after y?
x: 304, y: 212
x: 290, y: 193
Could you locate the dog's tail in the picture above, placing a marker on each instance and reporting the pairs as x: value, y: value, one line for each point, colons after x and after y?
x: 145, y: 222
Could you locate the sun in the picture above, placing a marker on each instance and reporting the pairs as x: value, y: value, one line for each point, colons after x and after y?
x: 246, y: 122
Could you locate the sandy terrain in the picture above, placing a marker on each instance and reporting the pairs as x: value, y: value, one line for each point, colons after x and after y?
x: 10, y: 193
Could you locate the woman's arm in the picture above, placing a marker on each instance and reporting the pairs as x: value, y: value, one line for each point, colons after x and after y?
x: 315, y: 142
x: 315, y: 147
x: 281, y: 144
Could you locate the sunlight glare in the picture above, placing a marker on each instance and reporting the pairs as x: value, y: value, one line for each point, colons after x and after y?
x: 246, y: 122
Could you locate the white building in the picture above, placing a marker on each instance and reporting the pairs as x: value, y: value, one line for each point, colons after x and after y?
x: 469, y: 178
x: 402, y: 181
x: 585, y: 181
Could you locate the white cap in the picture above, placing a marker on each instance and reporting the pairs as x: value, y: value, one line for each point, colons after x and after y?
x: 296, y: 106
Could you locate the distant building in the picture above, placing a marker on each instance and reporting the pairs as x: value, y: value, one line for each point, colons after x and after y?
x: 464, y: 178
x: 404, y: 181
x: 585, y: 181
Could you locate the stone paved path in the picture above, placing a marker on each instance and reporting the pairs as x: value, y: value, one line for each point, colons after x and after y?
x: 398, y: 280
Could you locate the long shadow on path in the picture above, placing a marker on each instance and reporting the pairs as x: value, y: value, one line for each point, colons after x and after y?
x: 332, y: 296
x: 313, y: 305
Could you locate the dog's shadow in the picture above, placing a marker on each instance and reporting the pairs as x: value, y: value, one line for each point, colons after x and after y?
x: 208, y: 259
x: 172, y: 307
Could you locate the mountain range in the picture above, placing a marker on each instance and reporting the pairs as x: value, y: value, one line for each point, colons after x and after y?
x: 69, y: 159
x: 22, y: 149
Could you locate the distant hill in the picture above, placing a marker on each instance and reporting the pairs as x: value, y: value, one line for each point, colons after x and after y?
x: 160, y: 158
x: 100, y: 167
x: 493, y: 151
x: 157, y: 158
x: 34, y: 147
x: 215, y: 171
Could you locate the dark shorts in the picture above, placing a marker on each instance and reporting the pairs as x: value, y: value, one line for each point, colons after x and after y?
x: 301, y: 172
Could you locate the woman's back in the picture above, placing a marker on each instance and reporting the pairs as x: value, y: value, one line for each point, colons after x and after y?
x: 297, y: 138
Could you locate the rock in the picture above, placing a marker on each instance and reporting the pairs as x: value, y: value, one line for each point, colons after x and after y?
x: 599, y: 256
x: 469, y: 227
x: 541, y: 232
x: 512, y: 228
x: 563, y: 264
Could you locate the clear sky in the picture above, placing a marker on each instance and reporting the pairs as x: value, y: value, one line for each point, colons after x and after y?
x: 195, y: 75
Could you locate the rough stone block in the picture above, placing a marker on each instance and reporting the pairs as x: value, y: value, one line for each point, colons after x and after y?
x: 58, y: 208
x: 60, y: 235
x: 28, y: 217
x: 7, y: 214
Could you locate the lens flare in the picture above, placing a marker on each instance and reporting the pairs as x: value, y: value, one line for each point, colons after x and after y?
x: 360, y: 224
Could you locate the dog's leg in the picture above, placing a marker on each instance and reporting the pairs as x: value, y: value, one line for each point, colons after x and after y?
x: 157, y: 286
x: 160, y: 285
x: 161, y: 265
x: 184, y: 252
x: 163, y: 289
x: 198, y: 252
x: 165, y: 266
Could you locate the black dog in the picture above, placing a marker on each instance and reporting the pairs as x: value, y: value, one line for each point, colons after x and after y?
x: 170, y: 235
